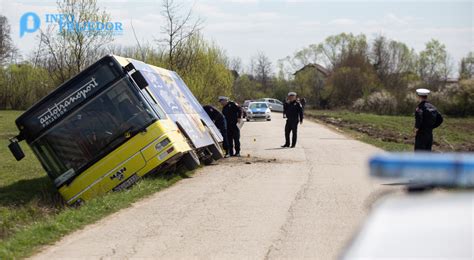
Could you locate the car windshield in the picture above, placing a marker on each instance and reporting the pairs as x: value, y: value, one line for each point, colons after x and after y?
x: 92, y: 131
x: 258, y: 105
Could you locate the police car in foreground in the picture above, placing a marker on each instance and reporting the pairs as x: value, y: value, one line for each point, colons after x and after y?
x: 422, y: 225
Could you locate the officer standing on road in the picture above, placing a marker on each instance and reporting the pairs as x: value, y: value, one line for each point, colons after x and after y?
x: 294, y: 115
x: 219, y: 120
x: 233, y: 115
x: 303, y: 102
x: 427, y: 118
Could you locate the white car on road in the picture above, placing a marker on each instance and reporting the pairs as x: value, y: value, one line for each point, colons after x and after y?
x: 275, y: 104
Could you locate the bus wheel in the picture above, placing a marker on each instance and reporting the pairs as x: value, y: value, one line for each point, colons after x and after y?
x: 208, y: 161
x: 215, y: 148
x: 216, y: 152
x: 191, y: 160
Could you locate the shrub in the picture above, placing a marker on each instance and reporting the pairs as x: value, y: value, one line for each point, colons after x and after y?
x: 382, y: 103
x: 408, y: 104
x: 455, y: 99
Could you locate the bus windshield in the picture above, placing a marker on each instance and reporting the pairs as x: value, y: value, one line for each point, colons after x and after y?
x: 258, y: 105
x: 92, y: 131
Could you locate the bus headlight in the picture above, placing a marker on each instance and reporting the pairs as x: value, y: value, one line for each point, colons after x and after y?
x: 161, y: 145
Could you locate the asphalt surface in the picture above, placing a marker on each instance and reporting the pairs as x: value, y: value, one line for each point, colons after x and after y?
x: 271, y: 203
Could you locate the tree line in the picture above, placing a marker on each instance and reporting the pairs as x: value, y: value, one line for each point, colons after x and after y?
x: 60, y: 55
x: 343, y: 71
x: 346, y: 71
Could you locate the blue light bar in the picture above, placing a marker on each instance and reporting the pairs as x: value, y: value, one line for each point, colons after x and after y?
x: 449, y: 169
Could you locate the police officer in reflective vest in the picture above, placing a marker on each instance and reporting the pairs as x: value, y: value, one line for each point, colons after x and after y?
x: 427, y: 118
x: 293, y: 111
x: 233, y: 115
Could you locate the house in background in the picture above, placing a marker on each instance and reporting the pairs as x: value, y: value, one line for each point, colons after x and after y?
x: 309, y: 84
x: 319, y: 69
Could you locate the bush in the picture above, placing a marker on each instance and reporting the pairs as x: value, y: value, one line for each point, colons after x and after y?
x: 408, y: 104
x: 382, y: 103
x: 21, y: 85
x: 455, y: 99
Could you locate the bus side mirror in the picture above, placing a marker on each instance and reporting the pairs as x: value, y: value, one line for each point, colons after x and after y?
x: 139, y: 79
x: 15, y: 149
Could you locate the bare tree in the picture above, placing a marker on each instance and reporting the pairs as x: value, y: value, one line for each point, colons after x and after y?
x: 262, y: 69
x: 66, y: 51
x: 235, y: 64
x: 7, y: 49
x: 179, y: 28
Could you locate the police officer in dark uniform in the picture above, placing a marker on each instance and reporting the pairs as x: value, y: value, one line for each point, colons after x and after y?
x: 294, y: 115
x: 427, y: 118
x: 303, y: 102
x: 219, y: 120
x: 233, y: 115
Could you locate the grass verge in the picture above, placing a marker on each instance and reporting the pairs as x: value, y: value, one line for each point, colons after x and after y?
x: 395, y: 133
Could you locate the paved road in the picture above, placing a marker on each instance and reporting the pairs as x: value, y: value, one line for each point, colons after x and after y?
x: 277, y: 203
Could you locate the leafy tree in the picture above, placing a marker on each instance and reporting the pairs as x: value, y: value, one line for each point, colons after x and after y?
x: 246, y: 88
x: 433, y: 63
x: 309, y: 83
x: 23, y: 84
x: 466, y: 70
x: 207, y: 75
x: 394, y: 64
x: 348, y: 84
x: 337, y: 48
x: 390, y: 57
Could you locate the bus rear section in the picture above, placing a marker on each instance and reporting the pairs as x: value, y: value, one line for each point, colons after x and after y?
x: 98, y: 132
x: 168, y: 91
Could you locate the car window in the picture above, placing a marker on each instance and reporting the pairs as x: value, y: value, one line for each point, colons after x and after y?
x: 271, y: 101
x: 279, y: 102
x: 258, y: 105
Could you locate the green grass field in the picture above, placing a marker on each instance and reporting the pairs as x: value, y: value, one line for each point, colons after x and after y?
x: 33, y: 214
x: 395, y: 133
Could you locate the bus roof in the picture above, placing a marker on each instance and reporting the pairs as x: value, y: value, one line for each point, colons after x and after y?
x: 67, y: 96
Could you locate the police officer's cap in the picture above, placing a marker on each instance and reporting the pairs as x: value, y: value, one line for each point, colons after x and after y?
x: 291, y: 93
x: 223, y: 98
x: 422, y: 92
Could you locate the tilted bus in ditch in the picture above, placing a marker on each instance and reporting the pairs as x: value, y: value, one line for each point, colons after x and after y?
x: 111, y: 124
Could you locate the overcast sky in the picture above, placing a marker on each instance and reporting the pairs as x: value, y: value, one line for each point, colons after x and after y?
x: 280, y: 27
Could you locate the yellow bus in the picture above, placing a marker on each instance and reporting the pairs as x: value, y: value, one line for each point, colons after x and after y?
x: 111, y: 124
